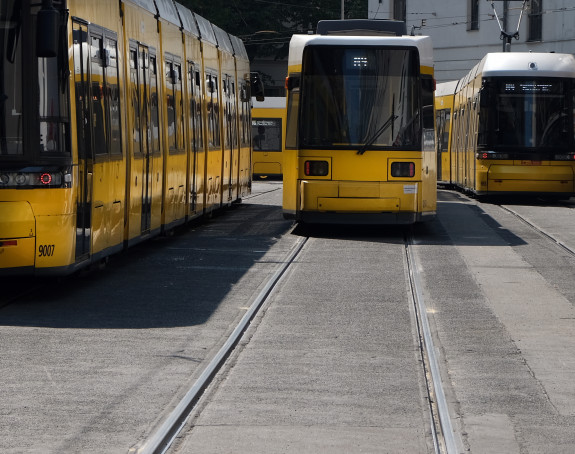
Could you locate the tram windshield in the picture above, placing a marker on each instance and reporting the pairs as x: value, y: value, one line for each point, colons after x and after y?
x: 527, y: 114
x: 33, y: 122
x: 357, y: 96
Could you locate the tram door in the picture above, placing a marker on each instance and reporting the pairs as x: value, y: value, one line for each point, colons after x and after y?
x: 231, y: 136
x: 85, y: 152
x: 142, y: 136
x: 196, y: 128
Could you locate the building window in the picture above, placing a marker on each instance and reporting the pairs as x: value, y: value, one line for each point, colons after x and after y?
x: 472, y: 14
x: 399, y: 10
x: 535, y: 21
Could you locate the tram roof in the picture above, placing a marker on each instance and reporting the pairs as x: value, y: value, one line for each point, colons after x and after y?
x: 223, y: 39
x: 446, y: 88
x: 239, y: 47
x: 188, y: 21
x: 206, y: 30
x: 527, y: 64
x: 299, y: 42
x: 167, y: 10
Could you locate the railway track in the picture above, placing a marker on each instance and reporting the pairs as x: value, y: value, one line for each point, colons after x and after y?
x: 161, y: 440
x: 539, y: 230
x: 442, y: 430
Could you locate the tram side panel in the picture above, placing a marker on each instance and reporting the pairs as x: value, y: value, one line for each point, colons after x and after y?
x: 174, y: 119
x: 144, y: 151
x: 444, y: 97
x: 513, y: 126
x: 244, y: 136
x: 290, y: 154
x: 212, y: 113
x: 97, y: 138
x: 195, y: 196
x: 228, y: 112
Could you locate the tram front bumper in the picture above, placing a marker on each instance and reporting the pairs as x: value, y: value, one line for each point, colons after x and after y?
x: 530, y: 178
x: 358, y: 202
x: 17, y: 235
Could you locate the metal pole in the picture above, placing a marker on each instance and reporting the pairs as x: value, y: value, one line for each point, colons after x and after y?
x: 342, y: 10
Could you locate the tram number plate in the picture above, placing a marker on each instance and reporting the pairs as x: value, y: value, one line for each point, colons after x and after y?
x: 46, y: 250
x: 530, y: 163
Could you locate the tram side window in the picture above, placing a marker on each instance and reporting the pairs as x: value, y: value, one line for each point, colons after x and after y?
x: 292, y: 112
x: 213, y: 111
x: 97, y: 85
x: 267, y: 134
x: 244, y: 115
x: 113, y: 97
x: 195, y: 107
x: 11, y: 102
x: 179, y: 106
x: 80, y: 35
x: 173, y: 71
x: 135, y: 99
x: 154, y: 106
x: 53, y: 108
x: 443, y: 124
x: 171, y: 103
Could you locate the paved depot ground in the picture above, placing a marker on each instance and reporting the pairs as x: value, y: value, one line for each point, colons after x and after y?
x: 502, y: 308
x: 93, y: 365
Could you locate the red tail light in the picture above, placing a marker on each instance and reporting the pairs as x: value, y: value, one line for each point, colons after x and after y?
x: 316, y: 168
x: 403, y: 169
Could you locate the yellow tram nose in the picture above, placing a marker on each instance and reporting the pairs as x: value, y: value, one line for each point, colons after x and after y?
x: 17, y: 235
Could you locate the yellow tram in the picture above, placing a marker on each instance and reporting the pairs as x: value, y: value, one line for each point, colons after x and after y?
x: 360, y: 138
x: 119, y: 119
x: 444, y: 96
x: 268, y: 135
x: 512, y: 126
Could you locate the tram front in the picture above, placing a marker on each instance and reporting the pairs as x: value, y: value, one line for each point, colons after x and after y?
x: 36, y: 217
x: 364, y: 145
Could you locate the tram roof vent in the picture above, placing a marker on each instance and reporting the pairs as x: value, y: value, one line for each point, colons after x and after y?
x: 361, y: 27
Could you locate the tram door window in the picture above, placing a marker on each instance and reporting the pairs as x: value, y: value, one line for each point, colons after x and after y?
x: 245, y: 115
x: 292, y: 112
x: 112, y: 96
x: 443, y: 126
x: 154, y: 105
x: 85, y: 157
x: 98, y: 85
x: 213, y: 111
x: 194, y: 82
x: 140, y: 96
x: 231, y: 134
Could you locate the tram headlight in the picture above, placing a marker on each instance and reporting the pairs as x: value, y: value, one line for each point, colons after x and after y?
x: 565, y: 157
x: 34, y: 177
x: 492, y: 155
x: 20, y: 179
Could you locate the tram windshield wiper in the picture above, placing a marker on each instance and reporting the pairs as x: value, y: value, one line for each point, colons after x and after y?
x: 377, y: 133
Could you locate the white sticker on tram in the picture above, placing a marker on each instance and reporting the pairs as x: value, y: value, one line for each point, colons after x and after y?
x: 410, y: 189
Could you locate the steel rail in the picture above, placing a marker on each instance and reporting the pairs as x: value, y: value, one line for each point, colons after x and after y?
x: 444, y: 438
x: 538, y: 229
x: 161, y: 440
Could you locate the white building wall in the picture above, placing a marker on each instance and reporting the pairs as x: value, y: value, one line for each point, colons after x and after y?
x: 457, y: 49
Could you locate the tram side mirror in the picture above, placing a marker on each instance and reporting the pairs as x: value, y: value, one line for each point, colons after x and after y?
x: 47, y: 30
x: 484, y: 94
x: 257, y: 86
x: 483, y: 98
x: 292, y: 82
